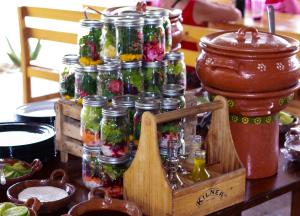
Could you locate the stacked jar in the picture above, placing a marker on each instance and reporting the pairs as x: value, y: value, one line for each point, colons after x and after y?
x: 176, y: 70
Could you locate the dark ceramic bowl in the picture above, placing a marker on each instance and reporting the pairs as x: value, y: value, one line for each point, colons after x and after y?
x: 33, y: 205
x: 35, y: 166
x: 57, y: 179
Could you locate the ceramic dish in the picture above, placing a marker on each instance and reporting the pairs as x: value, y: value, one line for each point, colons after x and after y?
x: 57, y: 179
x: 104, y: 206
x: 32, y: 204
x: 35, y: 166
x: 26, y: 141
x: 41, y: 112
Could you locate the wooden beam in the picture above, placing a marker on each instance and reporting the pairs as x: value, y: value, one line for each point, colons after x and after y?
x: 42, y: 73
x: 45, y: 97
x: 190, y: 57
x: 51, y: 35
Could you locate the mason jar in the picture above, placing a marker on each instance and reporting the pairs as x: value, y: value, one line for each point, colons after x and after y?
x: 130, y: 38
x: 85, y: 82
x: 154, y: 39
x: 89, y: 40
x: 109, y: 80
x: 109, y: 38
x: 154, y: 76
x: 90, y: 118
x: 114, y: 132
x: 132, y: 75
x: 112, y: 170
x: 141, y: 106
x: 175, y: 91
x: 91, y: 170
x: 67, y: 76
x: 164, y: 14
x: 176, y: 70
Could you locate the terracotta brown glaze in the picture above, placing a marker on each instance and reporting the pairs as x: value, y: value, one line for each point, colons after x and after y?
x: 33, y: 204
x: 258, y: 73
x: 35, y: 166
x: 96, y: 204
x: 57, y: 179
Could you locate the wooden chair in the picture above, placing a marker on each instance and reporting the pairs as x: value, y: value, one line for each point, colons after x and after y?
x: 29, y: 70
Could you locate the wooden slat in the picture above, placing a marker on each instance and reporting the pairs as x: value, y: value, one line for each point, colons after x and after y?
x: 43, y: 73
x: 190, y: 57
x: 194, y: 33
x: 71, y: 128
x: 74, y: 147
x: 45, y: 97
x: 71, y: 110
x: 42, y: 34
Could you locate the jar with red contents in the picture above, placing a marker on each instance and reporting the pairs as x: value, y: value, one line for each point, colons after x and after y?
x: 154, y: 39
x: 114, y: 132
x: 109, y: 80
x: 112, y: 170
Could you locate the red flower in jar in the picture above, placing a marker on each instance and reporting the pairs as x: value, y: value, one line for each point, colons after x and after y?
x: 115, y: 86
x: 153, y: 52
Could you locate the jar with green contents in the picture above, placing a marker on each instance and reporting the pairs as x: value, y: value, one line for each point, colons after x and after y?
x: 154, y: 76
x: 142, y: 105
x: 90, y: 118
x: 85, y: 82
x: 109, y: 80
x: 128, y: 102
x: 109, y: 38
x: 91, y: 170
x: 112, y: 170
x: 90, y: 45
x: 154, y: 39
x: 169, y: 131
x: 130, y: 38
x: 114, y: 132
x: 176, y: 70
x: 133, y: 81
x: 67, y: 76
x: 174, y: 91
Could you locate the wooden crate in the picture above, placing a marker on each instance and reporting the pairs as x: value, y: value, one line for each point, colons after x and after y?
x: 145, y: 181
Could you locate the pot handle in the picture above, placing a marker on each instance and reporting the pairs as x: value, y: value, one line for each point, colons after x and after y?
x: 59, y: 175
x: 33, y: 203
x: 100, y: 192
x: 241, y: 33
x: 228, y: 64
x: 36, y: 165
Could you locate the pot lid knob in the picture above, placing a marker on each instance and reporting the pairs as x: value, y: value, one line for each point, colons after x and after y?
x: 241, y: 33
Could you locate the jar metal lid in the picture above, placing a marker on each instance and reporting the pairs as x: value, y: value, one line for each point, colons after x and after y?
x: 92, y: 150
x: 130, y: 21
x: 163, y: 151
x: 126, y: 101
x: 153, y: 20
x: 157, y: 12
x: 111, y: 60
x: 113, y: 160
x: 170, y: 104
x: 155, y: 64
x: 91, y: 23
x: 173, y: 90
x: 88, y: 69
x: 128, y: 65
x: 109, y: 67
x: 94, y: 101
x: 150, y: 96
x: 71, y: 59
x: 145, y: 104
x: 109, y: 19
x: 114, y: 111
x: 175, y: 56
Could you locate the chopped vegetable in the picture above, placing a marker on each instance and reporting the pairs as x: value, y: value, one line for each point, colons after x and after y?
x: 9, y: 209
x: 16, y: 170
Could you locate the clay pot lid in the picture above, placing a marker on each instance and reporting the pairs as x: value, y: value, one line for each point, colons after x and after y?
x: 249, y: 39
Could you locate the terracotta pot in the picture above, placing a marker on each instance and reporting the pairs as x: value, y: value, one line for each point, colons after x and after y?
x: 104, y: 206
x: 33, y: 204
x: 258, y: 73
x: 57, y: 179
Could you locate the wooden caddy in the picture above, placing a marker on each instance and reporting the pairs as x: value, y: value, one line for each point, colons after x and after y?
x: 145, y: 181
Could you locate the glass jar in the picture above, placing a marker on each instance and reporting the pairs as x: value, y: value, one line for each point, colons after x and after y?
x: 90, y: 45
x: 130, y: 38
x: 112, y: 170
x: 109, y: 80
x: 169, y: 131
x: 91, y: 170
x: 174, y: 91
x: 127, y: 101
x: 67, y: 77
x: 141, y: 106
x: 154, y: 76
x: 85, y: 82
x: 176, y: 70
x: 114, y: 132
x: 133, y: 81
x: 109, y: 38
x: 154, y: 39
x: 90, y: 118
x: 164, y: 13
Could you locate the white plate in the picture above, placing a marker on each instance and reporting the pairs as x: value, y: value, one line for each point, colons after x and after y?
x: 37, y: 109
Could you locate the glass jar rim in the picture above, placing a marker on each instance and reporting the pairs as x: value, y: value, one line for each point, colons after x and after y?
x: 70, y: 59
x: 130, y: 21
x: 173, y: 90
x: 114, y: 111
x: 111, y: 66
x: 88, y: 69
x: 91, y: 23
x: 114, y: 160
x: 170, y: 104
x: 153, y: 20
x: 128, y: 65
x: 127, y: 101
x: 144, y: 104
x: 94, y: 101
x: 155, y: 64
x: 174, y: 56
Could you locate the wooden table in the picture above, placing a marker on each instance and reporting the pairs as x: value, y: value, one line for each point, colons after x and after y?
x: 257, y: 191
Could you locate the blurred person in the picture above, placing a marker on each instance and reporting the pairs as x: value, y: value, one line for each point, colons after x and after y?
x: 283, y: 6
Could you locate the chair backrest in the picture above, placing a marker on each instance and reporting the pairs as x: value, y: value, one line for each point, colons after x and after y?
x: 26, y: 32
